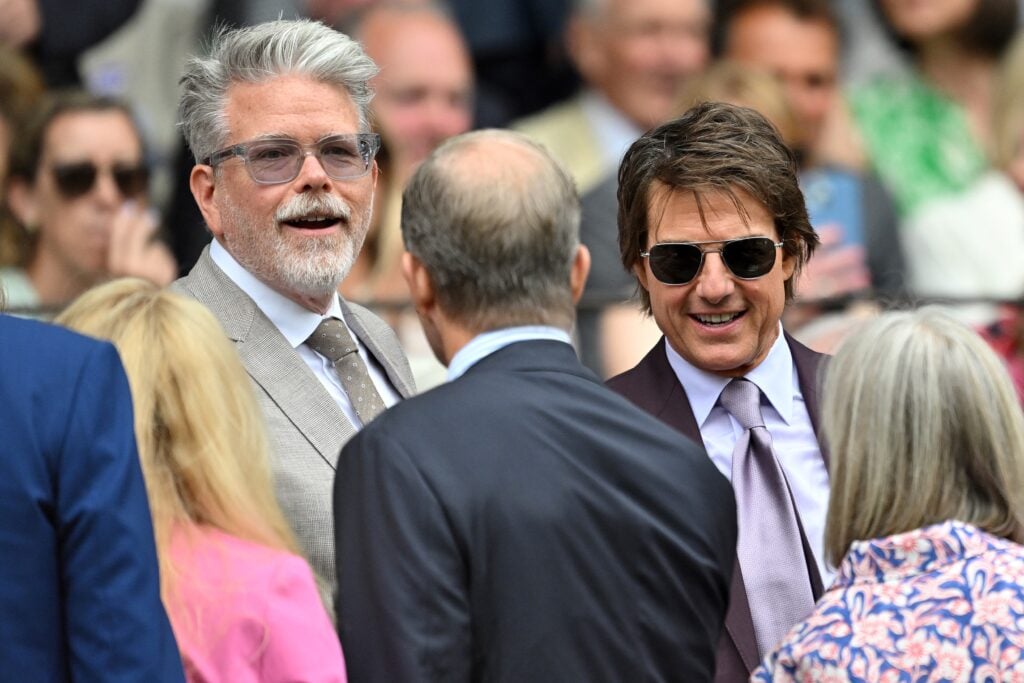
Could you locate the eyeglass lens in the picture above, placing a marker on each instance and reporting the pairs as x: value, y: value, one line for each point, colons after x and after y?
x: 75, y: 180
x: 278, y: 161
x: 747, y: 258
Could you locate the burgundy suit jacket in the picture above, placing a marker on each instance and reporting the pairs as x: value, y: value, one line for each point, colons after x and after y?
x: 653, y: 386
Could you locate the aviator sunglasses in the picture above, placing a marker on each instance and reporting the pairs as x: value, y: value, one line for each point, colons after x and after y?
x: 271, y: 161
x: 677, y: 263
x: 76, y: 179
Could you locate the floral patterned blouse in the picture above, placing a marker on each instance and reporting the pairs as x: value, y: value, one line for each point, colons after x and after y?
x: 943, y: 603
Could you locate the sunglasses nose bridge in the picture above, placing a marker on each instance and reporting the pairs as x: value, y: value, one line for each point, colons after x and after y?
x: 105, y: 188
x: 714, y: 281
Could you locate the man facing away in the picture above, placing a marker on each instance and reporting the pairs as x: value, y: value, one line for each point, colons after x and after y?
x: 276, y: 117
x: 712, y: 223
x: 521, y: 522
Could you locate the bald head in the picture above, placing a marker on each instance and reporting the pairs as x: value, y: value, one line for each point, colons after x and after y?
x: 495, y: 221
x: 424, y: 88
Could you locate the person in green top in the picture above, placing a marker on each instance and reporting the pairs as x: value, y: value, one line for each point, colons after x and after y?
x: 925, y: 131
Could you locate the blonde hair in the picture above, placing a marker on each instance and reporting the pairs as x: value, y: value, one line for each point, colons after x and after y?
x: 733, y: 83
x: 924, y: 426
x: 1008, y: 106
x: 199, y: 429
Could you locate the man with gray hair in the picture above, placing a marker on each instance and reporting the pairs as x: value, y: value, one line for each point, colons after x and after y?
x: 284, y: 177
x: 521, y: 522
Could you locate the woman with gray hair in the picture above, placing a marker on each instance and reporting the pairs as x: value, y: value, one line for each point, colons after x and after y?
x: 927, y: 442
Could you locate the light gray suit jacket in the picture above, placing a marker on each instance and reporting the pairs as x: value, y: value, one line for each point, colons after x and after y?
x: 305, y: 426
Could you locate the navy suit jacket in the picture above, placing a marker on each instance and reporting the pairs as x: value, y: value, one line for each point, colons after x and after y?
x: 523, y: 523
x: 653, y: 386
x: 79, y: 585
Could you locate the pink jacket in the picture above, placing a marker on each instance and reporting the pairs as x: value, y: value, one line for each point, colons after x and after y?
x: 246, y: 613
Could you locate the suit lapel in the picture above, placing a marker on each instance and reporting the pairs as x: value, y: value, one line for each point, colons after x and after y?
x: 271, y: 361
x: 379, y: 352
x: 663, y: 396
x: 808, y: 367
x: 294, y: 389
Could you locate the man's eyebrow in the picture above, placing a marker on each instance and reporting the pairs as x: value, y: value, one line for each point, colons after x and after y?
x: 272, y: 137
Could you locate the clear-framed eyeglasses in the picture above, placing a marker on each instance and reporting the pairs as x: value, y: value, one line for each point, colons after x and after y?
x: 270, y: 161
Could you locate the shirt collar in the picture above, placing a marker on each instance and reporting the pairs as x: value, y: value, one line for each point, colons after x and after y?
x: 487, y: 343
x: 295, y: 322
x: 910, y: 553
x: 775, y: 376
x: 613, y: 131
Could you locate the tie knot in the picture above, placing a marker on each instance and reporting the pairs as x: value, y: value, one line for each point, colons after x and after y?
x: 331, y: 340
x: 742, y: 399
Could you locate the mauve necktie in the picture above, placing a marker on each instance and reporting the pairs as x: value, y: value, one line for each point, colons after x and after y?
x: 332, y: 340
x: 770, y: 551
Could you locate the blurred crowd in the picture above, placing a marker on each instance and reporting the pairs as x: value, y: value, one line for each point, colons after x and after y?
x: 905, y: 118
x: 257, y: 194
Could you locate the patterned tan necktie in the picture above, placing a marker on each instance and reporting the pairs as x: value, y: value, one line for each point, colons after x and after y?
x: 332, y: 341
x: 770, y: 550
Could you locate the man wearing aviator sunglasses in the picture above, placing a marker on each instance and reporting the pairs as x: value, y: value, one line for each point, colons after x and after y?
x: 714, y: 227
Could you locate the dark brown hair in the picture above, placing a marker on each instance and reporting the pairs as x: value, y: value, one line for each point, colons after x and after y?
x: 726, y: 12
x: 21, y: 87
x: 27, y: 148
x: 714, y: 147
x: 988, y: 32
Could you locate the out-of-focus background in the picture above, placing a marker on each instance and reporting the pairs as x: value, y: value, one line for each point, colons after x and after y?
x: 907, y: 118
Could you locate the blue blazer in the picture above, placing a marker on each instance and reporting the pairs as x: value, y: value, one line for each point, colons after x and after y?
x: 79, y: 585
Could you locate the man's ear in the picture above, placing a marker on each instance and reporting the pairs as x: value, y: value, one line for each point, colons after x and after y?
x: 640, y: 270
x: 788, y: 264
x: 421, y: 289
x: 579, y: 272
x: 584, y: 46
x: 21, y: 201
x: 201, y: 182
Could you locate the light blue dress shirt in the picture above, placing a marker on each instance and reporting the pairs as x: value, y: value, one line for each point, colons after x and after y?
x: 487, y: 343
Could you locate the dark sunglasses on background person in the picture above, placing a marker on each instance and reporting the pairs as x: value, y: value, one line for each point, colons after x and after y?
x: 278, y: 160
x: 76, y: 179
x: 677, y: 263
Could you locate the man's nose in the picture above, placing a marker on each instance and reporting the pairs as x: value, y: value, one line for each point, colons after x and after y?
x: 714, y: 282
x: 447, y: 119
x: 312, y: 175
x: 106, y: 190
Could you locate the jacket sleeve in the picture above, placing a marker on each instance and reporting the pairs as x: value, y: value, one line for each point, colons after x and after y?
x: 115, y: 623
x: 402, y: 603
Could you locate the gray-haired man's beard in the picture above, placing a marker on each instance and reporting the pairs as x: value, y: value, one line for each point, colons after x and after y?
x: 307, y: 266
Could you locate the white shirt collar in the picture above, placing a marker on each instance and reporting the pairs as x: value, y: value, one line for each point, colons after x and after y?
x: 295, y: 322
x: 775, y: 376
x: 483, y: 345
x: 613, y: 131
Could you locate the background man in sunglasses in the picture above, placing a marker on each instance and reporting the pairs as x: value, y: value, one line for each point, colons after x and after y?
x: 713, y: 225
x: 77, y: 189
x: 521, y: 522
x: 276, y: 117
